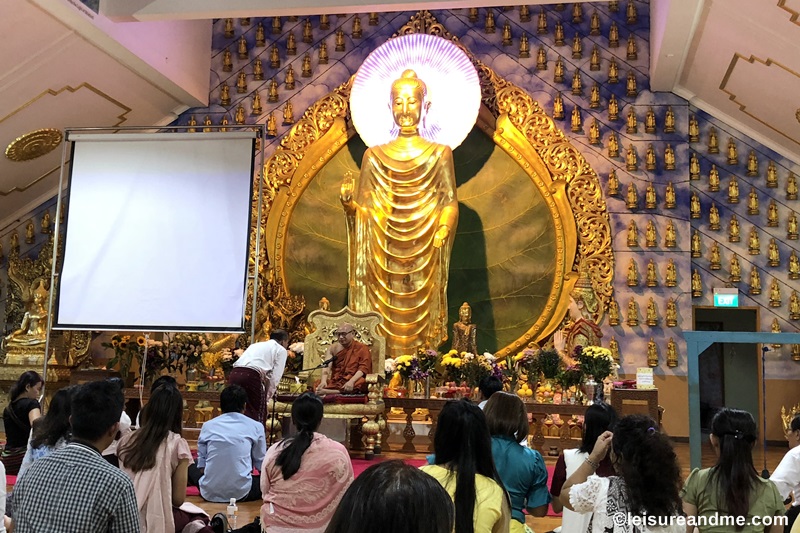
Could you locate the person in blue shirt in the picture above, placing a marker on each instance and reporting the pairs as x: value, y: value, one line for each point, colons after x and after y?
x: 521, y: 469
x: 229, y: 447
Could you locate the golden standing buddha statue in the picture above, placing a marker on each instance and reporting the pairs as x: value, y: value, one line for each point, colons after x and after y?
x: 652, y: 313
x: 613, y: 70
x: 633, y: 235
x: 633, y: 273
x: 794, y: 266
x: 694, y: 129
x: 594, y: 97
x: 736, y: 269
x: 670, y: 201
x: 541, y: 22
x: 672, y: 353
x: 733, y: 155
x: 258, y: 69
x: 694, y: 167
x: 669, y: 158
x: 713, y: 179
x: 541, y: 59
x: 613, y: 108
x: 465, y: 332
x: 772, y: 175
x: 670, y: 236
x: 613, y: 183
x: 755, y: 282
x: 613, y: 145
x: 650, y: 198
x: 694, y: 206
x: 558, y: 107
x: 631, y: 160
x: 613, y: 313
x: 28, y: 341
x: 652, y: 277
x: 696, y: 244
x: 632, y: 123
x: 650, y: 237
x: 650, y: 158
x: 30, y: 231
x: 576, y: 121
x: 594, y: 132
x: 672, y: 313
x: 772, y: 214
x: 753, y: 244
x: 669, y: 121
x: 594, y: 61
x: 671, y: 279
x: 633, y: 313
x: 401, y: 223
x: 733, y: 229
x: 713, y: 218
x: 652, y: 353
x: 733, y: 190
x: 631, y: 89
x: 752, y: 202
x: 650, y: 121
x: 714, y: 260
x: 631, y: 197
x: 697, y: 284
x: 773, y: 254
x: 613, y: 35
x: 791, y: 227
x: 794, y: 306
x: 791, y: 187
x: 613, y: 345
x: 752, y: 164
x: 774, y: 293
x: 713, y: 141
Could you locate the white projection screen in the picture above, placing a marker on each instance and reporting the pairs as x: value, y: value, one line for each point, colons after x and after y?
x: 157, y: 235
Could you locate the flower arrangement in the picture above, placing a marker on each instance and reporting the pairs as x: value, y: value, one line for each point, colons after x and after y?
x: 569, y: 377
x: 451, y: 364
x: 527, y: 363
x: 476, y: 367
x: 548, y: 363
x: 126, y: 348
x: 403, y: 365
x: 186, y: 350
x: 595, y: 361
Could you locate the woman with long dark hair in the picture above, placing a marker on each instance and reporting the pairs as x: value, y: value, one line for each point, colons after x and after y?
x: 599, y: 418
x: 732, y: 487
x: 18, y: 418
x: 156, y: 457
x: 645, y: 488
x: 465, y: 468
x: 52, y: 431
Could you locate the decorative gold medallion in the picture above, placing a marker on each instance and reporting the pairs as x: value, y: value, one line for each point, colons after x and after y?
x: 34, y: 144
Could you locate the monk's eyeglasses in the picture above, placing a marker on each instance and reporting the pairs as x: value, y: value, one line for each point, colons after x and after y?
x: 344, y: 333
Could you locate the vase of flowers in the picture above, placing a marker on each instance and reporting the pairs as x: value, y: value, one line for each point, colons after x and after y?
x: 597, y: 363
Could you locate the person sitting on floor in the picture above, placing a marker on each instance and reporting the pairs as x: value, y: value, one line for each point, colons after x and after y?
x: 488, y: 386
x: 110, y: 453
x: 50, y: 432
x: 787, y: 476
x: 351, y: 361
x: 74, y: 488
x: 18, y: 418
x: 229, y: 447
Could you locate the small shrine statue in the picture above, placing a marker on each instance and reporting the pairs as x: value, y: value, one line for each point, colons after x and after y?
x: 594, y: 62
x: 633, y: 274
x: 613, y: 346
x: 323, y: 53
x: 713, y: 218
x: 227, y: 61
x: 192, y: 123
x: 541, y: 22
x: 650, y: 121
x: 670, y: 239
x: 755, y: 282
x: 277, y: 25
x: 775, y: 327
x: 308, y: 33
x: 714, y: 259
x: 594, y: 24
x: 733, y: 190
x: 524, y: 14
x: 576, y: 121
x: 324, y: 304
x: 465, y: 332
x: 670, y: 201
x: 791, y: 227
x: 752, y: 202
x: 713, y: 141
x: 773, y: 254
x: 672, y: 313
x: 671, y: 279
x: 694, y: 129
x: 577, y: 47
x: 772, y: 175
x: 489, y: 25
x: 30, y: 232
x: 713, y: 179
x: 733, y: 156
x: 272, y: 125
x: 238, y: 116
x: 631, y: 197
x: 613, y: 145
x: 46, y: 223
x: 694, y: 206
x: 558, y: 70
x: 651, y: 240
x: 306, y: 68
x: 752, y: 164
x: 507, y: 40
x: 274, y: 57
x: 694, y: 167
x: 272, y: 92
x: 207, y: 124
x: 228, y: 32
x: 594, y: 132
x: 631, y: 89
x: 225, y: 95
x: 261, y: 39
x: 633, y: 313
x: 558, y: 107
x: 631, y: 13
x: 242, y: 47
x: 794, y: 306
x: 257, y: 109
x: 241, y: 83
x: 753, y: 244
x: 652, y: 351
x: 652, y: 277
x: 650, y: 200
x: 733, y: 229
x: 30, y: 338
x: 774, y: 293
x: 613, y: 313
x: 577, y: 13
x: 613, y: 35
x: 613, y: 108
x: 794, y: 266
x: 631, y: 161
x: 325, y: 23
x: 652, y: 313
x: 669, y: 158
x: 558, y: 34
x: 631, y: 124
x: 736, y: 270
x: 669, y: 121
x: 633, y: 234
x: 291, y: 44
x: 288, y: 113
x: 613, y: 184
x: 541, y: 59
x: 697, y: 284
x: 672, y: 353
x: 772, y: 214
x: 524, y: 47
x: 224, y: 123
x: 791, y: 187
x: 258, y: 69
x: 695, y: 244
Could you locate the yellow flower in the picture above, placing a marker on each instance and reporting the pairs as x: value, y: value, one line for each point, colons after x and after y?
x: 140, y: 341
x: 114, y: 343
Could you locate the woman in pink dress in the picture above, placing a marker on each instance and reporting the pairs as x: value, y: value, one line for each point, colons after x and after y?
x: 156, y: 457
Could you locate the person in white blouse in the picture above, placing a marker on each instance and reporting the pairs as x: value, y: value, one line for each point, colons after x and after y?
x: 787, y: 476
x: 259, y: 370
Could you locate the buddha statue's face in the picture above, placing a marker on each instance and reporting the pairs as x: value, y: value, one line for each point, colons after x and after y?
x: 465, y: 314
x: 408, y: 104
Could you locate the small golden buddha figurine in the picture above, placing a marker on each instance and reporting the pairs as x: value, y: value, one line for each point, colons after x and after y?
x: 670, y: 239
x: 613, y: 145
x: 694, y: 129
x: 755, y: 282
x: 794, y: 266
x: 697, y: 284
x: 650, y: 158
x: 631, y: 123
x: 291, y: 45
x: 633, y: 273
x: 524, y: 13
x: 650, y: 237
x: 613, y: 70
x: 288, y: 113
x: 713, y: 141
x: 652, y: 277
x: 633, y: 234
x: 46, y: 230
x: 191, y: 129
x: 257, y: 109
x: 242, y: 47
x: 258, y: 69
x: 772, y: 214
x: 651, y: 315
x: 631, y: 161
x: 340, y: 47
x: 613, y: 346
x: 752, y: 202
x: 671, y: 279
x: 633, y: 53
x: 558, y: 107
x: 753, y: 245
x: 244, y: 21
x: 272, y: 93
x: 694, y: 167
x: 613, y: 109
x: 733, y: 229
x: 794, y: 306
x: 30, y: 229
x: 373, y: 19
x: 594, y: 97
x: 241, y: 83
x: 631, y: 13
x: 228, y: 28
x: 791, y: 227
x: 559, y: 34
x: 323, y: 53
x: 696, y: 244
x: 669, y: 158
x: 650, y: 199
x: 650, y: 121
x: 733, y: 156
x: 594, y: 132
x: 507, y: 34
x: 632, y: 196
x: 791, y: 187
x: 772, y: 175
x: 577, y: 47
x: 464, y: 331
x: 577, y: 13
x: 633, y: 313
x: 306, y: 70
x: 694, y: 206
x: 594, y: 62
x: 613, y: 313
x: 630, y: 86
x: 238, y: 116
x: 594, y: 24
x: 713, y: 218
x: 775, y: 327
x: 652, y: 349
x: 289, y: 79
x: 672, y: 353
x: 489, y: 26
x: 224, y: 95
x: 272, y: 125
x: 227, y: 61
x: 274, y: 57
x: 613, y: 183
x: 207, y: 124
x: 277, y: 25
x: 713, y: 179
x: 773, y: 253
x: 308, y: 34
x: 669, y: 121
x: 774, y: 293
x: 541, y: 59
x: 576, y: 122
x: 613, y: 35
x: 795, y: 352
x: 32, y: 333
x: 223, y: 124
x: 472, y: 14
x: 558, y: 71
x: 670, y: 200
x: 541, y: 22
x: 714, y: 260
x: 752, y: 164
x: 261, y: 40
x: 733, y: 190
x: 524, y: 47
x: 577, y: 84
x: 671, y: 316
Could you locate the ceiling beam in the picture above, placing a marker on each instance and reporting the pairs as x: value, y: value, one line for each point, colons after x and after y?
x: 672, y: 27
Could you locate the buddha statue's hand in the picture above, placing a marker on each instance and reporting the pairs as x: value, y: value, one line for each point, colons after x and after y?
x: 441, y: 235
x: 348, y: 186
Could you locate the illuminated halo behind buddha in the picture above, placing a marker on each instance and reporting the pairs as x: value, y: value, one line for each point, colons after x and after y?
x: 403, y: 212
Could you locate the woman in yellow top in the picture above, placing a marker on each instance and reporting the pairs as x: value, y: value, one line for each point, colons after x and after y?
x: 465, y: 468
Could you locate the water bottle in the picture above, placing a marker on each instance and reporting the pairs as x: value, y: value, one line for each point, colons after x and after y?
x: 233, y: 511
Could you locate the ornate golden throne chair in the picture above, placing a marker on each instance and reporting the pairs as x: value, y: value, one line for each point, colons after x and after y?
x: 365, y: 414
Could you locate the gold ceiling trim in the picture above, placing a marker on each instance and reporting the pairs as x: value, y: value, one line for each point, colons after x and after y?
x: 31, y: 184
x: 50, y: 92
x: 34, y: 144
x: 794, y: 14
x: 743, y: 107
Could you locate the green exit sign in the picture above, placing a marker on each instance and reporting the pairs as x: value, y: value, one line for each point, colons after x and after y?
x: 726, y: 298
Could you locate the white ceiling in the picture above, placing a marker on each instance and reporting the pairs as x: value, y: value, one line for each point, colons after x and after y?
x: 141, y: 62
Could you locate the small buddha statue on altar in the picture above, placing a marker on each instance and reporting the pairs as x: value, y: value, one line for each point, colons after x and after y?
x: 631, y: 196
x: 791, y: 187
x: 289, y: 79
x: 794, y: 266
x: 261, y: 39
x: 672, y: 313
x: 670, y: 238
x: 733, y: 190
x: 272, y: 125
x: 694, y: 129
x: 652, y: 351
x: 472, y: 14
x: 30, y: 338
x: 672, y: 353
x: 257, y: 109
x: 524, y: 47
x: 791, y: 227
x: 613, y: 346
x: 695, y: 244
x: 613, y: 70
x: 46, y: 223
x: 736, y: 270
x: 752, y: 202
x: 694, y: 167
x: 633, y: 313
x: 308, y: 33
x: 775, y: 327
x: 594, y: 24
x: 752, y: 164
x: 714, y: 260
x: 671, y: 279
x: 464, y: 331
x: 241, y: 83
x: 713, y: 141
x: 733, y: 156
x: 242, y: 47
x: 288, y: 113
x: 225, y: 95
x: 594, y: 61
x: 631, y: 89
x: 305, y: 71
x: 291, y: 45
x: 774, y: 293
x: 274, y: 57
x: 272, y: 93
x: 323, y: 53
x: 772, y: 214
x: 340, y: 45
x: 594, y: 132
x: 651, y: 240
x: 577, y: 47
x: 772, y: 175
x: 613, y: 108
x: 524, y: 13
x: 541, y: 59
x: 576, y: 121
x: 558, y: 71
x: 507, y: 40
x: 650, y: 158
x: 558, y: 34
x: 558, y: 107
x: 191, y: 129
x: 794, y: 306
x: 631, y: 161
x: 227, y: 61
x: 238, y: 116
x: 697, y: 284
x: 633, y: 235
x: 650, y: 121
x: 652, y: 277
x: 541, y: 22
x: 633, y: 274
x: 223, y: 123
x: 613, y: 145
x: 277, y: 25
x: 652, y: 313
x: 30, y: 232
x: 650, y: 199
x: 631, y: 13
x: 669, y: 158
x: 753, y: 245
x: 733, y: 229
x: 577, y: 13
x: 773, y: 254
x: 489, y: 24
x: 613, y: 313
x: 258, y: 69
x: 613, y: 184
x: 631, y: 123
x: 613, y: 35
x: 755, y: 282
x: 669, y: 121
x: 713, y: 179
x: 207, y: 124
x: 228, y: 31
x: 713, y: 218
x: 670, y: 201
x: 694, y: 206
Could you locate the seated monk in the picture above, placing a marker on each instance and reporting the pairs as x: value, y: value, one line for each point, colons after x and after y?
x: 350, y: 360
